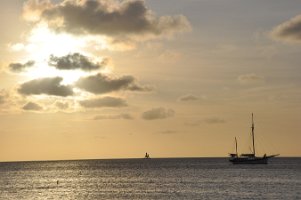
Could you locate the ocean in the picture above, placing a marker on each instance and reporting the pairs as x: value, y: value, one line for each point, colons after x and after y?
x: 162, y: 178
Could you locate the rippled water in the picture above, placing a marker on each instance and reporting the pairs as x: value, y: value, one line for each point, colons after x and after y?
x: 185, y: 178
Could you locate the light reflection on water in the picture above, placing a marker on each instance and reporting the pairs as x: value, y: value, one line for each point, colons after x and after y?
x: 186, y: 178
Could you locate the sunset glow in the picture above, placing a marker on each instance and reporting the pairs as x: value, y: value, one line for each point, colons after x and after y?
x: 116, y: 79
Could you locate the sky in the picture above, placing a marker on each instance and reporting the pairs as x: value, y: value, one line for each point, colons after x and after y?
x: 93, y: 79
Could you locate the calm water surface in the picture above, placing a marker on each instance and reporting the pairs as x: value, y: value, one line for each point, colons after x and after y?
x: 183, y: 178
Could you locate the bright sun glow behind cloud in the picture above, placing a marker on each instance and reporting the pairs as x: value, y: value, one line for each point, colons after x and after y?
x: 42, y: 70
x: 42, y: 42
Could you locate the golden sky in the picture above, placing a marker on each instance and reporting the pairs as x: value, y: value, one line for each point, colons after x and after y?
x: 86, y: 79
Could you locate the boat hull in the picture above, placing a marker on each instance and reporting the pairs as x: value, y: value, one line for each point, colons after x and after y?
x: 254, y: 160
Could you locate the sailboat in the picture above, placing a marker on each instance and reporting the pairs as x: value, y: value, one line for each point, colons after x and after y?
x: 146, y: 156
x: 249, y: 158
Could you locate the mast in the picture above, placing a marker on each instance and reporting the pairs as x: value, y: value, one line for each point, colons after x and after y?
x: 253, y: 139
x: 236, y: 146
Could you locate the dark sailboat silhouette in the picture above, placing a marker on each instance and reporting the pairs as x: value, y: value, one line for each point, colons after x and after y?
x: 249, y: 158
x: 146, y: 155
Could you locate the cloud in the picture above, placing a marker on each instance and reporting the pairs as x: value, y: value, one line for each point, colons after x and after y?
x: 19, y: 67
x: 103, y: 102
x: 158, y: 113
x: 168, y: 132
x: 75, y: 61
x: 33, y: 9
x: 4, y: 95
x: 212, y: 120
x: 100, y: 84
x: 49, y: 86
x: 62, y: 105
x: 32, y: 106
x: 120, y: 116
x: 2, y: 99
x: 188, y: 97
x: 170, y: 56
x: 289, y: 30
x: 105, y: 17
x: 250, y: 78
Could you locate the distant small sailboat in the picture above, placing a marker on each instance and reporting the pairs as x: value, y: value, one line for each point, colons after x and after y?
x: 146, y: 156
x: 249, y: 158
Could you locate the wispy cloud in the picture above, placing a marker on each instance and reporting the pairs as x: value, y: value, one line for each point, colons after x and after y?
x: 3, y: 96
x: 62, y: 105
x: 104, y: 102
x: 188, y: 97
x: 214, y: 120
x: 2, y: 99
x: 210, y: 120
x: 118, y: 116
x: 158, y: 113
x: 250, y: 78
x: 168, y: 132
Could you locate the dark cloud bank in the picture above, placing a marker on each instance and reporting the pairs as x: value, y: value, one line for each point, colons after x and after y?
x: 19, y: 67
x: 107, y: 17
x: 100, y: 84
x: 48, y: 86
x: 32, y: 106
x: 75, y: 61
x: 289, y: 30
x: 96, y: 84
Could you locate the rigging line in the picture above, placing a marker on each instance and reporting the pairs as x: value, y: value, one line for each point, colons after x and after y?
x: 266, y: 146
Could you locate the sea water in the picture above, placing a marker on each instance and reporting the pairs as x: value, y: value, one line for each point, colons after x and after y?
x: 173, y: 178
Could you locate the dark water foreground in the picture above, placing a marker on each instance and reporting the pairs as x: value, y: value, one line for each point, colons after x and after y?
x: 183, y: 178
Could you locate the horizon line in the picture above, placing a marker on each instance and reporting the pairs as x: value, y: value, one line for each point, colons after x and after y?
x: 129, y: 158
